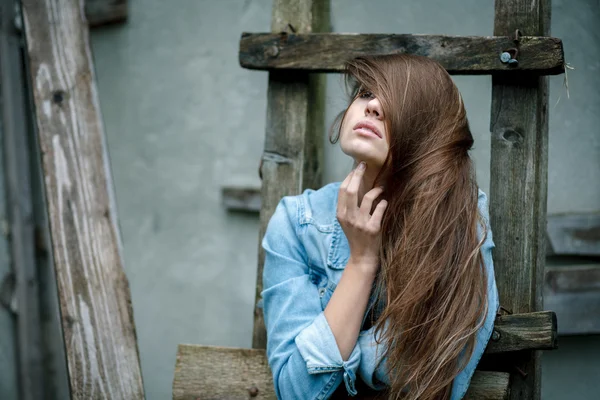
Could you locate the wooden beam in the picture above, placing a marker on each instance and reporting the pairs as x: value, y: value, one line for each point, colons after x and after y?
x: 574, y: 234
x: 518, y: 187
x: 293, y: 153
x: 207, y: 372
x: 104, y: 12
x: 241, y: 199
x: 573, y: 293
x: 488, y: 385
x: 532, y: 331
x: 30, y: 361
x: 97, y: 316
x: 465, y: 55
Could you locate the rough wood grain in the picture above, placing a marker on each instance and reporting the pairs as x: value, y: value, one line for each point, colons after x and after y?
x: 488, y: 386
x: 221, y: 373
x: 206, y: 372
x: 532, y: 331
x: 518, y: 187
x: 466, y: 55
x: 573, y: 293
x: 20, y: 209
x: 103, y: 12
x: 574, y: 234
x: 292, y: 158
x: 97, y: 316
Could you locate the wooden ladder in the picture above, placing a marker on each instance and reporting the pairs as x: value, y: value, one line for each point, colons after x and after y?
x: 292, y: 159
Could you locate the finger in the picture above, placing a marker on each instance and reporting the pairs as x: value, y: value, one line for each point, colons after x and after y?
x: 341, y: 204
x: 353, y: 186
x: 367, y: 201
x: 346, y: 181
x: 377, y: 216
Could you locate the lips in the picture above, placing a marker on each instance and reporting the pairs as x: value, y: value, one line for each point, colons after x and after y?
x: 368, y: 126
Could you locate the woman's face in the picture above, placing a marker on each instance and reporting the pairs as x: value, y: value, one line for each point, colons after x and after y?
x: 363, y: 133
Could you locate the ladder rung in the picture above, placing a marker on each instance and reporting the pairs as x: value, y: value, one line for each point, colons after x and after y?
x: 210, y: 372
x: 102, y: 12
x: 529, y: 331
x: 460, y: 55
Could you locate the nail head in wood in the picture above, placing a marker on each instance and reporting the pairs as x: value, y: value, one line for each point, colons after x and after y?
x: 253, y: 391
x: 272, y: 51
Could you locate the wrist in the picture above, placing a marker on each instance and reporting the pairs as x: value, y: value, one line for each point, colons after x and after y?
x: 364, y: 265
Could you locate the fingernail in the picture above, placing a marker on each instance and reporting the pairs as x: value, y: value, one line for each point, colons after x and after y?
x: 361, y: 166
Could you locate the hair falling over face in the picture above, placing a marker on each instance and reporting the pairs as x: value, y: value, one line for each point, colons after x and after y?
x: 432, y: 283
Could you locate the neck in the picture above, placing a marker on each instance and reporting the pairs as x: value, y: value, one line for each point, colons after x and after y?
x: 368, y: 180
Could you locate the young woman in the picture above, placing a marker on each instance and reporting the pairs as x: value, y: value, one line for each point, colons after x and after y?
x: 385, y: 279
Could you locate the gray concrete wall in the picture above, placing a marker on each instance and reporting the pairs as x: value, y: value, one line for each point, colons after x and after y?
x: 183, y: 119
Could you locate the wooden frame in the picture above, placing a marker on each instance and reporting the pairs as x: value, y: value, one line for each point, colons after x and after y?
x: 221, y: 373
x: 464, y: 55
x: 97, y: 317
x: 519, y: 185
x: 519, y: 171
x: 293, y: 151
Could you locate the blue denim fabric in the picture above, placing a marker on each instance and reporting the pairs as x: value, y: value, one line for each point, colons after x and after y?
x: 306, y: 252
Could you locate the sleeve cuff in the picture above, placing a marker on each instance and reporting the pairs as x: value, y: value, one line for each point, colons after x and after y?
x: 370, y: 370
x: 319, y: 350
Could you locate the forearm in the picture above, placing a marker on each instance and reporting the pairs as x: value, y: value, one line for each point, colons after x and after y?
x: 347, y: 306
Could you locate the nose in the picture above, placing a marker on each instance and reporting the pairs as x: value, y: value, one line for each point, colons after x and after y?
x: 373, y: 108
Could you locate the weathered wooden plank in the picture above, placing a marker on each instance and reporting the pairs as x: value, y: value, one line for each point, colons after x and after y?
x: 20, y: 210
x: 466, y: 55
x: 293, y: 153
x: 488, y: 386
x: 97, y: 316
x: 532, y: 331
x: 519, y: 178
x: 241, y: 198
x: 103, y: 12
x: 206, y: 372
x: 573, y: 293
x: 574, y: 234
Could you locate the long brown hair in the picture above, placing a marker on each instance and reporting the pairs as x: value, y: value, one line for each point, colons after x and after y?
x: 431, y: 285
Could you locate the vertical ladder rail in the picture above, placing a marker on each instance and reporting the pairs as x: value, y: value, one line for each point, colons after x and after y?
x: 95, y: 302
x: 518, y: 188
x: 292, y: 157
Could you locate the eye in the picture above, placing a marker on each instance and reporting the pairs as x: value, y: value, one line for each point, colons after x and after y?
x: 365, y: 94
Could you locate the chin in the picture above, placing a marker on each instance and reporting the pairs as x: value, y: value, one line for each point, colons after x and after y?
x: 370, y: 159
x: 364, y: 155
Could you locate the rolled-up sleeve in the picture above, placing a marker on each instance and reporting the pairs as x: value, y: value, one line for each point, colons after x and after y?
x: 372, y: 364
x: 302, y: 352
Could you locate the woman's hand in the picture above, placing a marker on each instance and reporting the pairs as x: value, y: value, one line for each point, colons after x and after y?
x: 362, y: 228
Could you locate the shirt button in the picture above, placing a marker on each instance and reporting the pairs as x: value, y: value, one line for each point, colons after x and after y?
x: 321, y: 292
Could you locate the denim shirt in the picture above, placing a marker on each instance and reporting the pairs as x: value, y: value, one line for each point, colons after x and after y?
x: 306, y: 252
